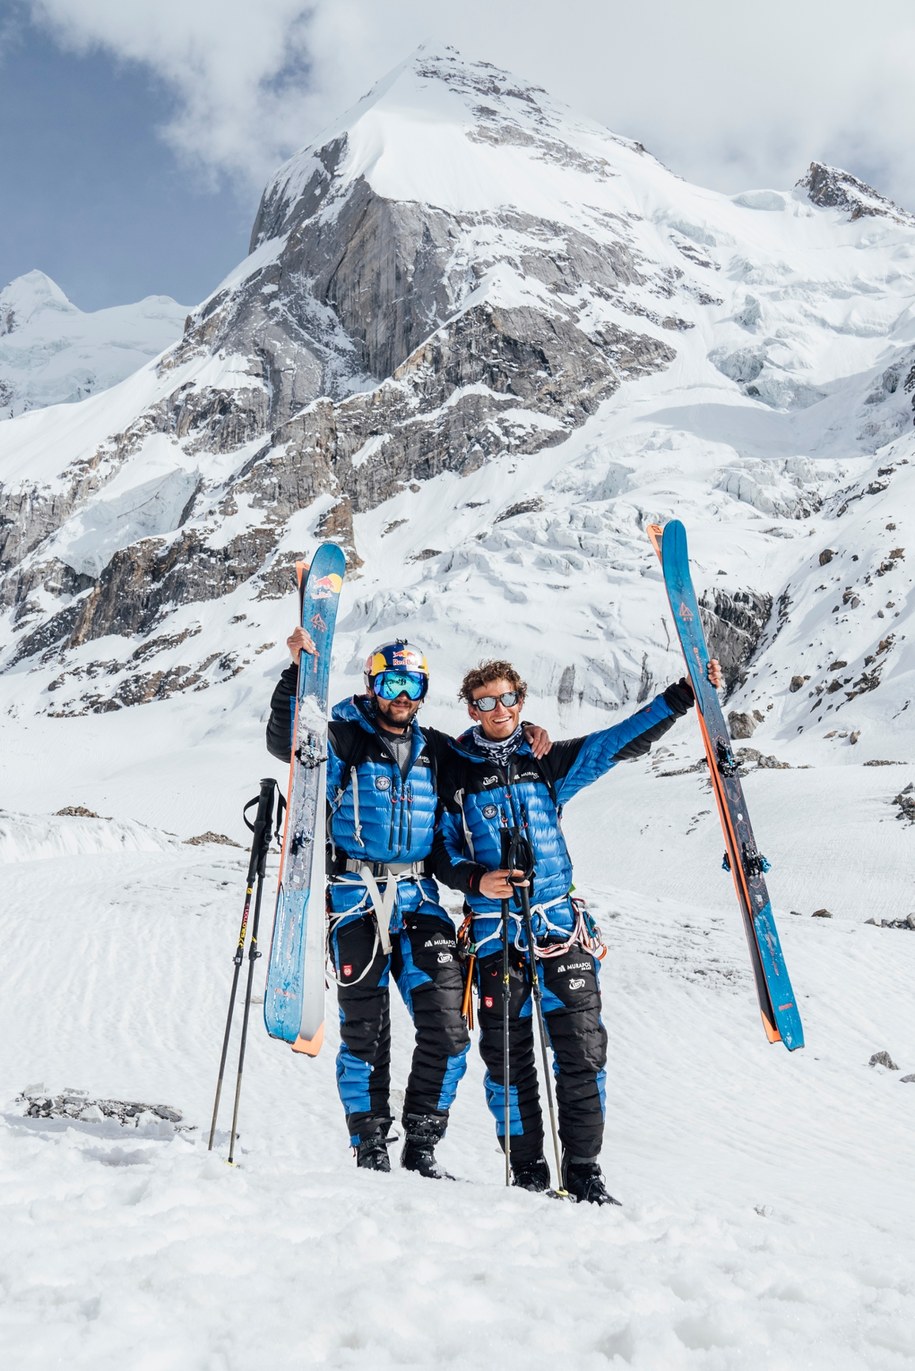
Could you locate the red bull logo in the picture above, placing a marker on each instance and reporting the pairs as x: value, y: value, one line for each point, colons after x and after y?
x: 405, y: 659
x: 325, y: 586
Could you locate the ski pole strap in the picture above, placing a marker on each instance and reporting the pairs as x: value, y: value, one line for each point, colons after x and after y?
x: 519, y: 856
x: 250, y: 805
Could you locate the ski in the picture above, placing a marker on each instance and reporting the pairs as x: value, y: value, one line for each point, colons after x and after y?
x: 294, y: 994
x: 780, y: 1016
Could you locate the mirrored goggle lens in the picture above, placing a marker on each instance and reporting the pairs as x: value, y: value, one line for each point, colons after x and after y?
x: 390, y: 684
x: 488, y: 702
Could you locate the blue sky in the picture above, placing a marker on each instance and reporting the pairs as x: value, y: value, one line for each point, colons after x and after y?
x: 93, y: 197
x: 137, y: 135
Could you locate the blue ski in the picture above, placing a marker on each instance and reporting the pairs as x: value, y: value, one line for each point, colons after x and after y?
x: 777, y: 1004
x: 294, y: 996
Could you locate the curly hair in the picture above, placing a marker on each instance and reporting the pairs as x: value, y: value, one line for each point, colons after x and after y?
x: 490, y: 671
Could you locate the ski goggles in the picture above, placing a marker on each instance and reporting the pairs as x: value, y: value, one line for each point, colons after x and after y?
x: 387, y: 685
x: 486, y: 703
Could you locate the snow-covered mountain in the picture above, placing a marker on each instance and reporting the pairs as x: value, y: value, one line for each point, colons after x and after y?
x: 53, y: 353
x: 483, y: 342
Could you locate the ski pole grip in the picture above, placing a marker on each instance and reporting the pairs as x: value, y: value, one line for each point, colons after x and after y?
x: 520, y: 858
x: 263, y: 821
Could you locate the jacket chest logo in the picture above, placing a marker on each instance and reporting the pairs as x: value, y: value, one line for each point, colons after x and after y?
x: 382, y: 783
x: 490, y: 811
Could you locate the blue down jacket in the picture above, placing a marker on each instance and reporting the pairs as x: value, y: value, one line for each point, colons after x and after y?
x: 483, y: 802
x: 375, y: 814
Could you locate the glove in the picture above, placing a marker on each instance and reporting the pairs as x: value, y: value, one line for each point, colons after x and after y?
x: 679, y: 696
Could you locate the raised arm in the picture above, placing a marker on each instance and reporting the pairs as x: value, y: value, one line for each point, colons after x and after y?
x: 574, y: 764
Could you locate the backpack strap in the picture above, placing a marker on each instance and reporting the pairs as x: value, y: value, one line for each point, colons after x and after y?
x: 351, y: 744
x: 545, y: 777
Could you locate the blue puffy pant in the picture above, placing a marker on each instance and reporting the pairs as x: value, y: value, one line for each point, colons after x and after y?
x: 424, y: 963
x: 571, y: 1005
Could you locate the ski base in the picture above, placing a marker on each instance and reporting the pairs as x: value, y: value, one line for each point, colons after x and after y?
x: 294, y: 994
x: 780, y: 1017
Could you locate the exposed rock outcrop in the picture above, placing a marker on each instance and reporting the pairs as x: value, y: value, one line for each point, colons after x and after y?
x: 836, y: 189
x: 734, y: 624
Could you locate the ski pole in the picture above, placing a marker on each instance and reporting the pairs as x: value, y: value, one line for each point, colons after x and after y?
x: 253, y: 955
x: 260, y: 845
x: 506, y: 1044
x: 521, y: 859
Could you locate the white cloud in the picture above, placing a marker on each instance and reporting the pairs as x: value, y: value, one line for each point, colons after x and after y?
x: 235, y: 68
x: 729, y: 96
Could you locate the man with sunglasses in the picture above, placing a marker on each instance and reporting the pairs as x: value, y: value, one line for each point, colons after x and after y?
x: 384, y: 911
x: 501, y: 830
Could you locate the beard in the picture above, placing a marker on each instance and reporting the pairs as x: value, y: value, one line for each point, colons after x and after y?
x: 397, y: 715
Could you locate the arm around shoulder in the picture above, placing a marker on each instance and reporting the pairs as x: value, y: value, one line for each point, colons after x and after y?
x: 449, y: 864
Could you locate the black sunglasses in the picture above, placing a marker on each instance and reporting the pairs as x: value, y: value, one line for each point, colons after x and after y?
x: 487, y: 702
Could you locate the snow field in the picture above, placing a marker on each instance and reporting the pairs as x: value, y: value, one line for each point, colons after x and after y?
x: 768, y: 1211
x: 767, y: 1217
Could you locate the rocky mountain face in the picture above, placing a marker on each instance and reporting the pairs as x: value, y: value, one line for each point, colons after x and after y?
x: 476, y: 337
x: 836, y: 189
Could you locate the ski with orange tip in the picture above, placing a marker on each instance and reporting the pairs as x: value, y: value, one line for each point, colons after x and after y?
x: 294, y: 994
x: 778, y: 1007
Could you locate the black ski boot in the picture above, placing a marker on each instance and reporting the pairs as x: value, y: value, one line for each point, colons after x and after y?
x: 372, y: 1152
x: 532, y: 1175
x: 582, y: 1178
x: 421, y: 1133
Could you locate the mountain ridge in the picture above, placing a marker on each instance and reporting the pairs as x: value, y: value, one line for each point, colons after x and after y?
x: 377, y: 361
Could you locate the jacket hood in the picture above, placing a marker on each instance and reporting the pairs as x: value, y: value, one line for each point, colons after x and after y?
x: 354, y: 710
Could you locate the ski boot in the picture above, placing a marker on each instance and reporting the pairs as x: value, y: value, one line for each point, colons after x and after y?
x: 372, y: 1152
x: 581, y: 1177
x: 421, y: 1133
x: 532, y: 1175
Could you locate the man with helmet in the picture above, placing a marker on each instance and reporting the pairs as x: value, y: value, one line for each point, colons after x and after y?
x: 383, y: 907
